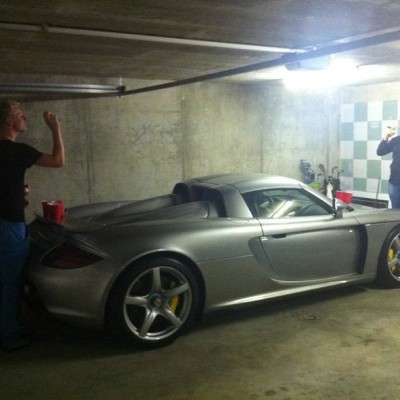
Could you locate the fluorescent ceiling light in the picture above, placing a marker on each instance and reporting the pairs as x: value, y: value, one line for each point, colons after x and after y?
x: 340, y: 72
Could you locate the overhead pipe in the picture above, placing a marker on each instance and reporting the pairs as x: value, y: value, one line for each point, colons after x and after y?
x: 144, y: 38
x: 291, y: 56
x: 337, y: 47
x: 61, y: 88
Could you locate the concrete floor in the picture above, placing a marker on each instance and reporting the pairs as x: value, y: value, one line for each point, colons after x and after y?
x: 343, y: 344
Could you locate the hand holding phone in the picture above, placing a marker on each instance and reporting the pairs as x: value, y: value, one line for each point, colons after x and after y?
x: 389, y: 133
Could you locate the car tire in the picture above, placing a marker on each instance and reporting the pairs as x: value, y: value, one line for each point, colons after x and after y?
x: 153, y: 303
x: 389, y: 261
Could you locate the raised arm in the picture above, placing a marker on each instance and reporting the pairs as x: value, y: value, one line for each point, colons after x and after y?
x: 57, y: 158
x: 385, y: 147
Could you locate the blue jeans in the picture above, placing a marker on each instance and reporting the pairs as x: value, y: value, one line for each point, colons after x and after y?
x: 14, y: 251
x: 394, y: 195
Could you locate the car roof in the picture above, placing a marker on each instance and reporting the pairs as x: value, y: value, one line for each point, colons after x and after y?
x: 245, y: 182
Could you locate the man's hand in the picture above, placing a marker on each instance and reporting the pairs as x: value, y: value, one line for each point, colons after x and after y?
x: 51, y: 121
x: 57, y: 157
x: 389, y: 133
x: 26, y: 195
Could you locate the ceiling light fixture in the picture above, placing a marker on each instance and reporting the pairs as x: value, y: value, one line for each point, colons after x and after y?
x: 339, y: 72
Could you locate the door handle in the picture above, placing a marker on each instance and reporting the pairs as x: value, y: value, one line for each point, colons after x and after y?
x: 279, y: 236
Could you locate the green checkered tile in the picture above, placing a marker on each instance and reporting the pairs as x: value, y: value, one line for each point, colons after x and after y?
x: 374, y: 130
x: 373, y: 169
x: 347, y: 167
x: 389, y: 110
x: 384, y: 186
x: 360, y: 150
x: 360, y: 135
x: 360, y: 112
x: 360, y: 184
x: 347, y: 131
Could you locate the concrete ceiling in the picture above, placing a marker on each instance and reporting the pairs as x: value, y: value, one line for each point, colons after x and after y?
x: 170, y: 40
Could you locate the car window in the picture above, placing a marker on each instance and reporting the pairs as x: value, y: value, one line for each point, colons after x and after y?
x: 280, y: 203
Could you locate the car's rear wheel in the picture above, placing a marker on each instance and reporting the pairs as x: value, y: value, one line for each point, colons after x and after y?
x: 152, y: 304
x: 389, y: 261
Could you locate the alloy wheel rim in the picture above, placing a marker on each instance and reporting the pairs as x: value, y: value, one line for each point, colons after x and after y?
x: 157, y: 303
x: 393, y: 257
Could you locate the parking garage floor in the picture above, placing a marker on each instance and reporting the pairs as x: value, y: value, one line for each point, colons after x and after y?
x: 342, y: 344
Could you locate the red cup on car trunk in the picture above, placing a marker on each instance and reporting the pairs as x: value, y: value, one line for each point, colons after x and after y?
x: 54, y: 211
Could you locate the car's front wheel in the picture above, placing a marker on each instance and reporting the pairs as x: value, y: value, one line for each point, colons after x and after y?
x: 389, y: 261
x: 153, y: 303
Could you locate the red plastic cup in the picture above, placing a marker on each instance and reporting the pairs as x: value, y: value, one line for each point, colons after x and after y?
x: 46, y: 210
x: 54, y: 211
x: 344, y: 196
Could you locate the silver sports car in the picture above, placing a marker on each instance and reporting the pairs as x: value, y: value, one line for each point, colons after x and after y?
x: 146, y: 269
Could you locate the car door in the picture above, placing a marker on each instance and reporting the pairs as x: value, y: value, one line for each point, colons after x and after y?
x: 304, y: 241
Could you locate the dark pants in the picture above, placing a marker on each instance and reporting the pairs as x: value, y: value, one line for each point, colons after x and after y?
x: 394, y: 195
x: 14, y: 251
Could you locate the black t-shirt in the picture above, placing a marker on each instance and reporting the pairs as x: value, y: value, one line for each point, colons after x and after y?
x: 15, y: 158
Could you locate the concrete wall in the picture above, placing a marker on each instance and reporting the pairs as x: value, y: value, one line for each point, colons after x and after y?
x: 139, y: 146
x: 116, y: 148
x: 298, y: 126
x: 222, y: 130
x: 383, y: 91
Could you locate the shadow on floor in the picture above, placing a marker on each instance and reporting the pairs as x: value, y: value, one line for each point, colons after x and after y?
x: 56, y: 340
x: 275, y: 306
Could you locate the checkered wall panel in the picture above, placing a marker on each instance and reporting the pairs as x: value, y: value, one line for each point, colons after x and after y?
x: 362, y: 128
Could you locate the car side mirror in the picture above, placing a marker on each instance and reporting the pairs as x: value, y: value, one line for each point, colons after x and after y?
x: 339, y: 211
x: 338, y: 208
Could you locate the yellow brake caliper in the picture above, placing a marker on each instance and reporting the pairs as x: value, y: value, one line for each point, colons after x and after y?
x: 174, y: 301
x: 390, y: 258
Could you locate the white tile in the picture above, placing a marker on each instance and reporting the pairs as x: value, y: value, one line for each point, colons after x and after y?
x: 346, y: 183
x: 398, y: 109
x: 361, y: 130
x: 371, y: 150
x: 347, y: 112
x: 372, y: 185
x: 385, y: 169
x: 375, y: 111
x: 346, y: 149
x: 359, y: 168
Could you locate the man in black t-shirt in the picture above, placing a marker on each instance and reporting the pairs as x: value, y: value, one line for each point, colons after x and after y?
x: 391, y: 144
x: 15, y: 158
